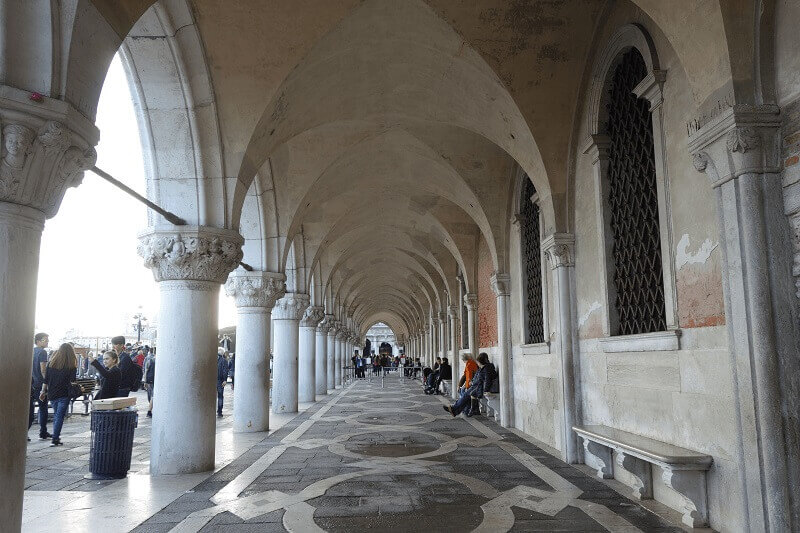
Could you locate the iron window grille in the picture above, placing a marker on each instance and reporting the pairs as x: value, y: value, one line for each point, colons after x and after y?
x: 531, y: 263
x: 633, y: 204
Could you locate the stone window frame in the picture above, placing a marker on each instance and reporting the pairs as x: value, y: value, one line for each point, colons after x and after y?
x: 596, y: 147
x: 539, y: 347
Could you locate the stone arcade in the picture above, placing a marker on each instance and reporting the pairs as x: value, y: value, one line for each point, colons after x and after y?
x: 604, y: 195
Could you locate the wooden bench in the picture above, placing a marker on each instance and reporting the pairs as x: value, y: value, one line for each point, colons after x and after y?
x: 682, y: 470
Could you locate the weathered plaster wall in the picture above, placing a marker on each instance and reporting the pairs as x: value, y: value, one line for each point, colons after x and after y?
x: 787, y: 73
x: 537, y: 408
x: 787, y: 51
x: 682, y: 397
x: 487, y: 302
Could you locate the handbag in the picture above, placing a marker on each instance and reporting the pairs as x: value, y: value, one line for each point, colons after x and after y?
x: 74, y: 390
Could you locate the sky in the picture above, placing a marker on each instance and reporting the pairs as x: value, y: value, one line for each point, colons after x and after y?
x: 91, y: 281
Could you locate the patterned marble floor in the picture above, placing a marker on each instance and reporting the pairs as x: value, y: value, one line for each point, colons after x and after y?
x: 391, y: 459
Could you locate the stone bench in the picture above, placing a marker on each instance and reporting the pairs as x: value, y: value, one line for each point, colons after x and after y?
x: 682, y: 470
x: 490, y: 405
x: 447, y: 386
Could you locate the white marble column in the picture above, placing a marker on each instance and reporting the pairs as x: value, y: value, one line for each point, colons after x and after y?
x: 455, y: 360
x: 286, y: 321
x: 471, y: 303
x: 321, y: 358
x: 559, y: 249
x: 307, y: 369
x: 255, y: 294
x: 189, y: 263
x: 501, y: 287
x: 442, y: 334
x: 20, y: 234
x: 739, y: 151
x: 330, y: 352
x: 337, y: 345
x: 41, y: 158
x: 426, y: 345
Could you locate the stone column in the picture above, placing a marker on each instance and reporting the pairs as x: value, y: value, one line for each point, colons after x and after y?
x: 338, y: 352
x: 255, y: 294
x: 44, y: 149
x: 286, y: 320
x: 442, y: 334
x: 501, y: 287
x: 321, y: 358
x: 738, y: 150
x: 189, y: 263
x: 471, y: 303
x: 426, y: 358
x: 330, y: 352
x: 307, y: 370
x: 559, y: 249
x: 455, y: 360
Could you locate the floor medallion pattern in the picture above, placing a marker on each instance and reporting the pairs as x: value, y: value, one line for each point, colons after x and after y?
x: 390, y: 459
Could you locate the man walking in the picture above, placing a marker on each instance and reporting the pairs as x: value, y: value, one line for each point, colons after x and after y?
x: 41, y: 340
x: 222, y: 377
x: 149, y: 379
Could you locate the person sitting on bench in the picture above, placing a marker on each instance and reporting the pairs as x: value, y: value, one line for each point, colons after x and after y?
x: 482, y: 381
x: 444, y: 372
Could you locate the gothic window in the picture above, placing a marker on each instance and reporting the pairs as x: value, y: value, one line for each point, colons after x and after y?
x: 531, y: 263
x: 633, y: 204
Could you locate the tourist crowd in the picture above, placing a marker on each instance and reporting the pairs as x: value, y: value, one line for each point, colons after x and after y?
x: 54, y: 378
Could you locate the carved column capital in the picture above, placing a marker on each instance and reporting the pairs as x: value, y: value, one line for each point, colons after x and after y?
x: 442, y: 316
x: 291, y: 306
x: 471, y: 301
x: 341, y: 334
x: 501, y: 284
x: 452, y: 311
x: 255, y: 289
x: 44, y: 149
x: 326, y: 324
x: 740, y: 140
x: 191, y: 252
x: 560, y: 250
x: 312, y: 317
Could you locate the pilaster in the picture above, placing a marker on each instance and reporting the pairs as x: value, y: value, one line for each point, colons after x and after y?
x: 559, y: 248
x: 501, y: 286
x: 739, y: 152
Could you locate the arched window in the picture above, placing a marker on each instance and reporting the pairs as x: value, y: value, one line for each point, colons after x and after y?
x: 530, y: 249
x: 633, y: 203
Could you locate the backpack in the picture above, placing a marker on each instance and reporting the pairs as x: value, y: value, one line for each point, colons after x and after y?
x: 135, y: 378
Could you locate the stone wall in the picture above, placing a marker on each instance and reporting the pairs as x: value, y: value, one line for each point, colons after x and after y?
x: 487, y: 301
x: 683, y: 397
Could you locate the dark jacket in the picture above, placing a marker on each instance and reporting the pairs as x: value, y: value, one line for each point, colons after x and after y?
x: 445, y: 372
x: 150, y: 370
x: 222, y: 369
x: 482, y: 380
x: 125, y: 368
x: 109, y: 384
x: 58, y: 380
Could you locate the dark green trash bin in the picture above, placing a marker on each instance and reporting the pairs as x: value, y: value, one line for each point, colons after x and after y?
x: 112, y: 443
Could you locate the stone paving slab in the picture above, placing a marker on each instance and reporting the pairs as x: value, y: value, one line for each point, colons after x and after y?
x: 391, y: 459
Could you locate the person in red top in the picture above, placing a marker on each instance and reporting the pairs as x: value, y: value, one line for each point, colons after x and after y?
x: 470, y: 368
x: 139, y: 359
